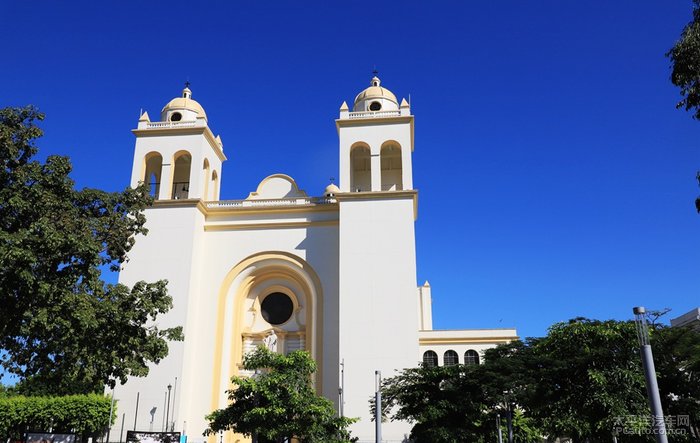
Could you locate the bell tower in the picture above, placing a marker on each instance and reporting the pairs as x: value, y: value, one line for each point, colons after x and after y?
x: 376, y: 142
x: 178, y: 157
x: 378, y: 319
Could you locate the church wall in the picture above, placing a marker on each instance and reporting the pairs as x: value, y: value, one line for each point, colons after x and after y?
x: 378, y: 320
x: 225, y: 249
x: 167, y: 252
x: 196, y: 261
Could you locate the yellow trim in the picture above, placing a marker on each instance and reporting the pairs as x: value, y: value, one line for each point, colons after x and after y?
x: 314, y: 324
x: 290, y: 225
x: 465, y: 340
x: 249, y: 210
x: 345, y: 122
x: 381, y: 195
x: 193, y: 130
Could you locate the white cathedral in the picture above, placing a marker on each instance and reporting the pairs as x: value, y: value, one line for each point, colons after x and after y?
x: 334, y: 274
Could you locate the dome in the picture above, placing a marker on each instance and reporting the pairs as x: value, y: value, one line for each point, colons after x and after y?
x: 331, y: 190
x: 376, y: 98
x: 183, y: 108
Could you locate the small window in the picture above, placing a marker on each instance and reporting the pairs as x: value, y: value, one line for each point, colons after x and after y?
x: 375, y: 106
x: 430, y: 359
x: 450, y: 358
x: 471, y: 357
x: 175, y: 117
x: 277, y: 308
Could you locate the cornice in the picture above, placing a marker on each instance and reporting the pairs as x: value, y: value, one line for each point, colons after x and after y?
x: 191, y: 130
x: 381, y: 195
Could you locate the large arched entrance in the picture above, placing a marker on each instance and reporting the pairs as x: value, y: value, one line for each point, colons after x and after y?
x: 269, y: 294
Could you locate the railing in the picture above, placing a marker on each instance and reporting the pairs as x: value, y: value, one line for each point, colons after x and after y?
x: 373, y: 114
x: 180, y: 190
x: 166, y: 125
x: 300, y: 201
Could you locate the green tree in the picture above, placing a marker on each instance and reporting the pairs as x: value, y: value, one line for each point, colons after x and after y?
x: 62, y: 329
x: 459, y: 403
x: 444, y: 402
x: 685, y: 62
x: 677, y: 361
x: 279, y: 402
x: 588, y: 379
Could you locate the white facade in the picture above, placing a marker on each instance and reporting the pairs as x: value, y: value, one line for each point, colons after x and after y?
x: 327, y: 274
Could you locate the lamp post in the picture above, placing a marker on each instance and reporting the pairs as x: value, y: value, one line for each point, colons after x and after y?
x: 509, y: 415
x: 378, y: 407
x: 657, y: 414
x: 167, y: 409
x: 498, y: 426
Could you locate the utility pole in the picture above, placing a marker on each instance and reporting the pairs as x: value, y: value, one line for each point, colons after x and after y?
x: 109, y: 420
x: 509, y: 415
x: 378, y: 406
x: 657, y: 414
x: 167, y: 409
x: 498, y: 426
x: 341, y: 391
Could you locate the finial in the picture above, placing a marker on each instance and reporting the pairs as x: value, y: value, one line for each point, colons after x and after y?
x: 187, y: 93
x: 375, y: 80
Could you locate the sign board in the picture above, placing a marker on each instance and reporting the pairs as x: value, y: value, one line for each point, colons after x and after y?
x: 38, y: 437
x: 152, y: 437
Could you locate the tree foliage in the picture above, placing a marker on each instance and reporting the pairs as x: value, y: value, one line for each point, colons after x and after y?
x: 85, y: 415
x: 62, y: 329
x: 583, y: 380
x: 685, y: 61
x: 279, y: 402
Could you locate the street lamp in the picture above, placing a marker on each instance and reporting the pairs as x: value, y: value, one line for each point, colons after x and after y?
x: 509, y: 415
x: 378, y: 407
x: 657, y: 413
x: 167, y: 409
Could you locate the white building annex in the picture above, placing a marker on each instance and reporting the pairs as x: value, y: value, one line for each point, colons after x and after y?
x: 327, y: 272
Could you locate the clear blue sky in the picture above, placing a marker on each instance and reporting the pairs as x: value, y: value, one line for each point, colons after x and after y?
x: 556, y: 178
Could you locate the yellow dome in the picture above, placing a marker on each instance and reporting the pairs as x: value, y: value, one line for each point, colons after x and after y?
x: 375, y: 91
x: 185, y: 102
x: 331, y: 190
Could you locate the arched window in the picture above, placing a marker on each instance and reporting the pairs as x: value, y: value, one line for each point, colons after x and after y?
x: 430, y: 359
x: 360, y: 168
x: 181, y: 176
x: 471, y: 357
x: 214, y: 185
x: 450, y: 358
x: 154, y: 166
x: 391, y: 167
x: 205, y: 170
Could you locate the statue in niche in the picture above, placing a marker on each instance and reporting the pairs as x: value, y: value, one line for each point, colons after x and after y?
x: 270, y: 341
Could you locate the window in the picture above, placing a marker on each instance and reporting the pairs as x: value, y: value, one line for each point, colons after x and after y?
x: 375, y: 106
x: 471, y: 357
x: 430, y: 359
x: 450, y: 358
x: 361, y: 165
x: 277, y: 308
x: 154, y: 165
x: 181, y: 176
x: 392, y: 172
x: 175, y: 117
